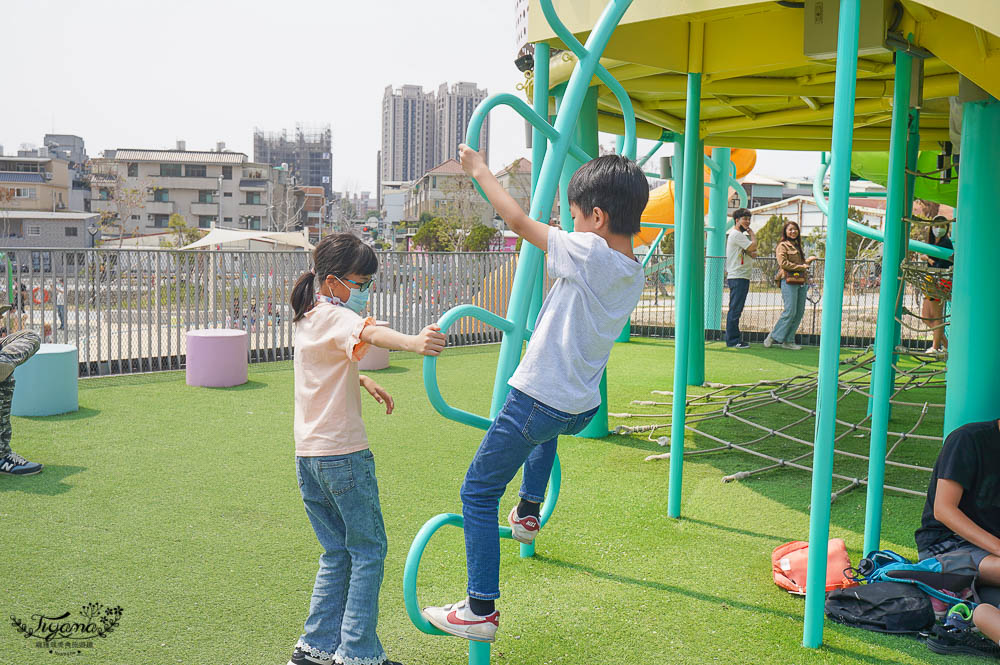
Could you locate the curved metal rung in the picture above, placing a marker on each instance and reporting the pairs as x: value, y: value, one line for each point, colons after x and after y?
x: 430, y: 363
x: 520, y: 107
x: 445, y: 519
x: 624, y: 101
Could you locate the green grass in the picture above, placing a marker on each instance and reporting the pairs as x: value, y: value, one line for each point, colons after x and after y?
x: 180, y: 504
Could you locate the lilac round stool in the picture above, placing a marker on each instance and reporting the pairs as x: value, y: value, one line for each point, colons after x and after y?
x: 377, y: 357
x: 216, y: 357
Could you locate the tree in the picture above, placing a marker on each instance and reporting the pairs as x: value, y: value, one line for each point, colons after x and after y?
x: 770, y: 235
x: 463, y: 208
x: 425, y: 217
x: 127, y: 196
x: 434, y: 236
x: 183, y: 234
x: 479, y: 238
x: 858, y: 247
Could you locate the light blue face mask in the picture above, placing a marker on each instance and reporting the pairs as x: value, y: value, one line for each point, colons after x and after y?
x: 358, y: 299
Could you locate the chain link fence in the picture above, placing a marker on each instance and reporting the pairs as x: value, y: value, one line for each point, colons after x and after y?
x: 127, y: 310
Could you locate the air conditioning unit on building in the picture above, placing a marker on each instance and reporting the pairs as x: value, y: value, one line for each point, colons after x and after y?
x: 48, y: 175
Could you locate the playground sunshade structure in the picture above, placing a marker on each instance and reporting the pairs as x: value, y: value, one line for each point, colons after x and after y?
x: 760, y: 88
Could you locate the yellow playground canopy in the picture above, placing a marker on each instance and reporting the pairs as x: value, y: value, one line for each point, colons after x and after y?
x: 768, y: 67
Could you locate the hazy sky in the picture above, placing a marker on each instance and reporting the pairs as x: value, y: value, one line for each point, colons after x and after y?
x: 144, y: 74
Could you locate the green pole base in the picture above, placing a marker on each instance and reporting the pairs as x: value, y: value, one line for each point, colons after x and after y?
x: 527, y: 551
x: 626, y: 332
x: 597, y: 428
x: 479, y: 653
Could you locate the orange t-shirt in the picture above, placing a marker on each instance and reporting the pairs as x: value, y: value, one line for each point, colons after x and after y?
x: 328, y: 347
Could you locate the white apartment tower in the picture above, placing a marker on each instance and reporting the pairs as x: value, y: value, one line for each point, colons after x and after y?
x: 407, y: 133
x: 454, y: 111
x: 421, y: 130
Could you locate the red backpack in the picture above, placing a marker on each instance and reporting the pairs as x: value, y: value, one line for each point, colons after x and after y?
x: 788, y: 563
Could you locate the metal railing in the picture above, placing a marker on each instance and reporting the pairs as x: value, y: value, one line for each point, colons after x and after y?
x: 655, y: 313
x: 127, y: 310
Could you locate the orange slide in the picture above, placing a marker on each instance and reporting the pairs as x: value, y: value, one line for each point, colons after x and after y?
x: 660, y: 209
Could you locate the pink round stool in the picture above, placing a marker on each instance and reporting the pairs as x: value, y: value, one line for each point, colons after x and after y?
x: 377, y: 357
x: 216, y: 357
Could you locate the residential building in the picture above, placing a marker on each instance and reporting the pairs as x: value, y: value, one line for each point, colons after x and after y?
x: 308, y: 154
x: 453, y: 111
x: 35, y: 183
x: 515, y: 178
x: 37, y: 228
x: 422, y: 129
x: 447, y: 192
x: 204, y: 187
x: 407, y: 133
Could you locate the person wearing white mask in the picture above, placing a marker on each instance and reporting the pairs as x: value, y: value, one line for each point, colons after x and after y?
x: 933, y: 308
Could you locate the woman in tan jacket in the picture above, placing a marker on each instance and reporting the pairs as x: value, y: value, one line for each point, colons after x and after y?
x: 793, y: 275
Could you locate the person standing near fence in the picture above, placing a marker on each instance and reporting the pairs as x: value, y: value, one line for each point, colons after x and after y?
x: 793, y: 276
x: 61, y: 304
x: 933, y: 308
x: 741, y: 249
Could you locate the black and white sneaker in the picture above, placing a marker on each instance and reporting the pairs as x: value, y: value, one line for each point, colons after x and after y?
x: 15, y: 465
x: 741, y: 345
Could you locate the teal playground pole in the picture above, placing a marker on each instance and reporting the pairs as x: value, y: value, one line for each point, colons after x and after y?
x: 683, y: 273
x: 715, y: 243
x: 973, y: 378
x: 696, y: 339
x: 885, y: 329
x: 538, y: 146
x: 586, y: 138
x: 833, y: 302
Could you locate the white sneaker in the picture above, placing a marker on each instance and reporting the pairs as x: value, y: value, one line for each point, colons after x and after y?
x: 791, y: 345
x: 768, y: 341
x: 523, y: 529
x: 458, y: 620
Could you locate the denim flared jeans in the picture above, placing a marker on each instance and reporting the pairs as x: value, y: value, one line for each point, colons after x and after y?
x: 341, y: 499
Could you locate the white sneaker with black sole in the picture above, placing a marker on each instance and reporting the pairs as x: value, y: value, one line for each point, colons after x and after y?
x: 791, y: 345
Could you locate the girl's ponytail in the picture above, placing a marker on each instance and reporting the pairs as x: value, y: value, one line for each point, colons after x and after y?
x: 303, y: 294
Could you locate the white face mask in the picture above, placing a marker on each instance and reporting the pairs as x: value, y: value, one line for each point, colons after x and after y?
x: 939, y: 231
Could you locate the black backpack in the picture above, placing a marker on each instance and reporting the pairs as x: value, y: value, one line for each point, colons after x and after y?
x: 885, y: 607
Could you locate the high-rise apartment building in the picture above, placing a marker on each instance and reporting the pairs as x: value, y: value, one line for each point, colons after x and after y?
x: 421, y: 130
x: 407, y: 133
x: 307, y: 152
x: 453, y: 112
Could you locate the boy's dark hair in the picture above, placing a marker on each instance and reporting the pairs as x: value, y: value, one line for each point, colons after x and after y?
x: 616, y: 185
x: 740, y: 213
x: 338, y: 254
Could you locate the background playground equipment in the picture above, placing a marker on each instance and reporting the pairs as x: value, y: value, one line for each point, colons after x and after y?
x: 752, y: 409
x: 680, y: 72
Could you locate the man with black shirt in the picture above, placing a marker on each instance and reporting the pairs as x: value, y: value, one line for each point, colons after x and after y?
x: 962, y: 513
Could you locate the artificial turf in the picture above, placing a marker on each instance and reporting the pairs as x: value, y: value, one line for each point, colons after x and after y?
x: 180, y: 505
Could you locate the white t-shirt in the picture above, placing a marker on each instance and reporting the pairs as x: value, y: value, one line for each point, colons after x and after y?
x: 595, y: 291
x: 739, y: 264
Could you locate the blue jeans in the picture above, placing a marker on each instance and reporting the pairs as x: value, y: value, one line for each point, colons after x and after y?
x: 794, y: 297
x: 341, y: 499
x: 524, y: 433
x: 738, y: 290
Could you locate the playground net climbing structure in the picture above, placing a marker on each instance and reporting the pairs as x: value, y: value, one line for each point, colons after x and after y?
x: 774, y: 421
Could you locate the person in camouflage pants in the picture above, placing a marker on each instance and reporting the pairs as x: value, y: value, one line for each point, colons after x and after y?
x: 15, y: 349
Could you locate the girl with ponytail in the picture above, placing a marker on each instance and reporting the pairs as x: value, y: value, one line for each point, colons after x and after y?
x: 334, y: 467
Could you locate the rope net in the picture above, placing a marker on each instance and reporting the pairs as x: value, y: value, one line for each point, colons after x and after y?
x: 774, y: 420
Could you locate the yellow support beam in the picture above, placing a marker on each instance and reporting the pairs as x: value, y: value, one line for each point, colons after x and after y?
x: 957, y: 43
